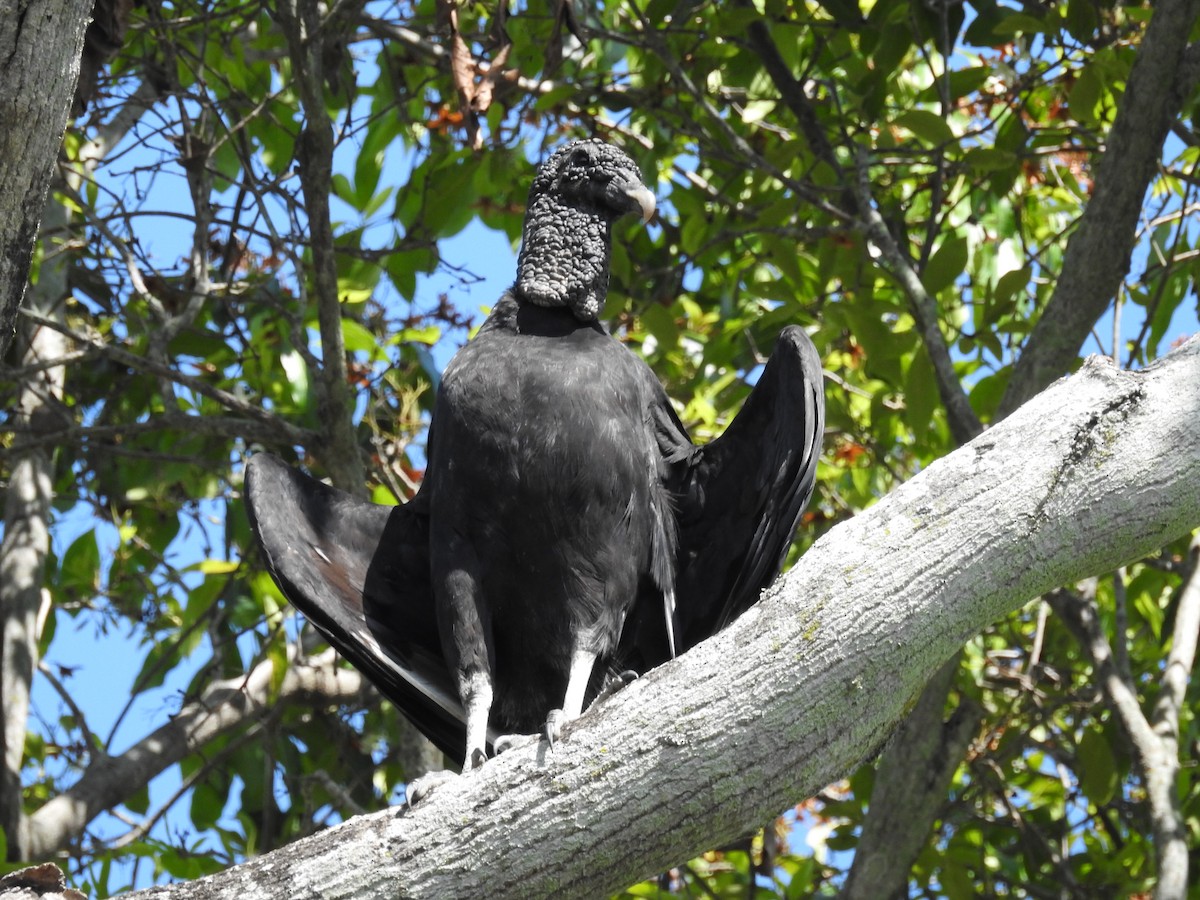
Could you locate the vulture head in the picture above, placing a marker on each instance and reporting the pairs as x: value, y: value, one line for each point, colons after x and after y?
x: 578, y: 192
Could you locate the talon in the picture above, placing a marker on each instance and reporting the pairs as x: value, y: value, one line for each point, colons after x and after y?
x: 552, y: 731
x: 614, y: 684
x: 477, y: 759
x: 420, y: 788
x: 506, y: 742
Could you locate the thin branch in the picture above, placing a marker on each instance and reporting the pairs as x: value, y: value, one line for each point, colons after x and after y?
x: 1165, y: 716
x: 143, y: 828
x: 1155, y: 746
x: 223, y: 706
x: 964, y: 424
x: 95, y: 748
x: 314, y: 149
x: 716, y: 120
x: 293, y: 434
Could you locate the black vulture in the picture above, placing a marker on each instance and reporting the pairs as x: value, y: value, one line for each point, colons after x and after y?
x: 567, y: 530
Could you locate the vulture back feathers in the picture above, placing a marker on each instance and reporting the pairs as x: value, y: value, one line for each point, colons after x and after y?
x: 567, y: 529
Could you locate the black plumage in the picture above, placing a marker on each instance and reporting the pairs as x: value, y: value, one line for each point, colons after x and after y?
x: 567, y: 529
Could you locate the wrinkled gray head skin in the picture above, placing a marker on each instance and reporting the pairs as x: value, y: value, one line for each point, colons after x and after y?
x: 577, y: 194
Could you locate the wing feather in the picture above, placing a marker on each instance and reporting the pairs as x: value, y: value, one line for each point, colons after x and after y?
x: 744, y: 493
x: 360, y: 573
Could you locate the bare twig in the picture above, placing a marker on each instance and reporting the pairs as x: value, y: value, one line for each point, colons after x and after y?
x: 291, y: 433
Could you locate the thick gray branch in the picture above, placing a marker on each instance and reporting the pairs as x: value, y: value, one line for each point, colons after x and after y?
x: 1098, y: 253
x: 1099, y: 470
x: 26, y: 541
x: 225, y: 705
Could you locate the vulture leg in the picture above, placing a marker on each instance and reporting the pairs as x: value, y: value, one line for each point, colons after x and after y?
x: 477, y: 698
x: 466, y: 636
x: 582, y: 663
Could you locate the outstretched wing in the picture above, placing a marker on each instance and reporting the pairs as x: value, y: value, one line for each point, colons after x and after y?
x: 360, y: 573
x: 743, y: 497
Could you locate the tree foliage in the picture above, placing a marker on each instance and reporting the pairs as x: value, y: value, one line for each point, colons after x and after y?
x: 239, y: 253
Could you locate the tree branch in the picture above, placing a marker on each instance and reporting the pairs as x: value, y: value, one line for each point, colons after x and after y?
x: 39, y: 68
x: 1097, y: 256
x: 910, y: 787
x: 964, y: 424
x: 26, y: 541
x: 808, y: 683
x: 223, y: 706
x: 339, y: 453
x: 1155, y: 746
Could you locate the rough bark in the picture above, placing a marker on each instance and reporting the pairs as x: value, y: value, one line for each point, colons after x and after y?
x: 1098, y: 253
x: 1101, y: 469
x: 40, y: 44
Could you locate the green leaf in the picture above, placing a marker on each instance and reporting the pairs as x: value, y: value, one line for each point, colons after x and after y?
x: 358, y: 339
x: 1010, y: 284
x: 693, y: 234
x: 989, y: 159
x: 80, y: 568
x: 1018, y: 23
x: 1085, y: 94
x: 138, y: 802
x: 297, y: 376
x: 920, y: 395
x: 928, y: 126
x: 206, y: 806
x: 946, y: 264
x: 757, y: 110
x: 1081, y: 19
x: 1096, y: 768
x: 277, y: 654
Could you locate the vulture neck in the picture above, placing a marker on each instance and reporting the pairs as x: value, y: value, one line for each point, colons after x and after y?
x: 564, y: 257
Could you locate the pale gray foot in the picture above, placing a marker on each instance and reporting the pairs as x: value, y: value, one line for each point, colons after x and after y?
x: 582, y: 662
x: 506, y: 742
x: 420, y: 788
x: 615, y: 684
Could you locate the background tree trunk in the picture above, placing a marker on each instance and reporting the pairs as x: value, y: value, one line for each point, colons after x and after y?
x: 40, y: 44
